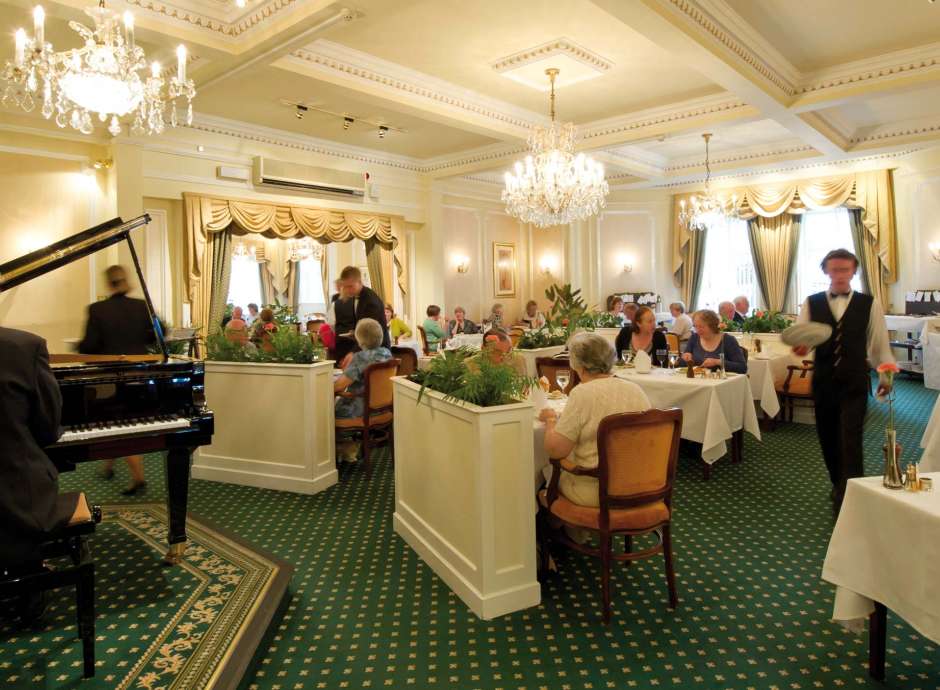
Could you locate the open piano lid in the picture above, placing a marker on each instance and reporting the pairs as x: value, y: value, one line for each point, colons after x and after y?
x: 42, y: 261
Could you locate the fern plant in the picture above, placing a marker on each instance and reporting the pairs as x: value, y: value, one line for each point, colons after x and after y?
x: 487, y: 384
x: 284, y: 346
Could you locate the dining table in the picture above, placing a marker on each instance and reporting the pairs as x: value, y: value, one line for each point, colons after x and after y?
x: 764, y: 369
x: 930, y: 442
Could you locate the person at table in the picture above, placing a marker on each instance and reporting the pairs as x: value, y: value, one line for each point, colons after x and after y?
x: 495, y: 319
x: 236, y: 330
x: 460, y: 324
x: 708, y: 343
x: 396, y: 327
x: 119, y: 325
x: 742, y: 306
x: 598, y: 395
x: 726, y: 312
x: 840, y: 374
x: 370, y: 337
x: 497, y: 347
x: 264, y: 327
x: 681, y: 323
x: 642, y: 334
x: 615, y: 308
x: 357, y: 302
x: 629, y: 312
x: 252, y: 314
x: 433, y: 329
x: 30, y: 415
x: 532, y: 318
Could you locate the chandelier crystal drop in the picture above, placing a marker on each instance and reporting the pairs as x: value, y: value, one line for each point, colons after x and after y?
x: 304, y: 248
x: 553, y: 186
x: 108, y: 77
x: 707, y: 208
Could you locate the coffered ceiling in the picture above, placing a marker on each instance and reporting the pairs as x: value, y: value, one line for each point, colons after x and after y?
x: 776, y: 81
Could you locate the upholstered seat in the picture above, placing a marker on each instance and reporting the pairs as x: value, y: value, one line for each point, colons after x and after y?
x: 375, y: 425
x: 797, y: 385
x: 643, y: 517
x: 360, y: 422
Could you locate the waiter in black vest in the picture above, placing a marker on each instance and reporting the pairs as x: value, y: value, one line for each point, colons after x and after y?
x: 356, y: 302
x: 841, y: 374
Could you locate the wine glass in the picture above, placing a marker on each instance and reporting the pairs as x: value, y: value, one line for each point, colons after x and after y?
x: 673, y: 358
x: 661, y: 356
x: 626, y: 356
x: 562, y: 378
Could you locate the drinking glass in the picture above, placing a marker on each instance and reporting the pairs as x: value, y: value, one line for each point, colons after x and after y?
x: 673, y: 358
x: 661, y: 357
x: 562, y: 378
x: 626, y: 356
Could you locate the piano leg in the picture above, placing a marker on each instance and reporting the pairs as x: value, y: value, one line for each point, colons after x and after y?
x: 177, y: 465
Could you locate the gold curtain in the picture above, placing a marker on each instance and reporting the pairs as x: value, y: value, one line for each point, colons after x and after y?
x: 871, y: 269
x: 773, y: 247
x: 380, y: 263
x: 208, y: 216
x: 872, y: 192
x: 688, y: 259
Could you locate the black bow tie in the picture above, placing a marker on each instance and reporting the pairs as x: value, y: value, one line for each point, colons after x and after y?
x: 835, y: 295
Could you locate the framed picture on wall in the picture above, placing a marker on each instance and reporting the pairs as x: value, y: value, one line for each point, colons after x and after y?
x: 504, y: 269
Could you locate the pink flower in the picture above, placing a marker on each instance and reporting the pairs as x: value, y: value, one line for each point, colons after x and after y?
x: 269, y: 326
x: 888, y: 367
x: 760, y: 314
x: 564, y: 322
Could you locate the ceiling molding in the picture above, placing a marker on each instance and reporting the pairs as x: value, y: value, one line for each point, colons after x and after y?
x: 907, y: 131
x: 230, y: 29
x: 487, y: 154
x: 562, y: 46
x: 740, y: 157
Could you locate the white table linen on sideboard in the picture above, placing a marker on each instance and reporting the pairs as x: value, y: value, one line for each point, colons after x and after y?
x: 886, y: 548
x: 930, y: 460
x: 712, y: 409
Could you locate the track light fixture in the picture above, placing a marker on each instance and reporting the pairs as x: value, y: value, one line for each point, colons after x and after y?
x: 347, y: 121
x: 300, y: 108
x: 301, y: 111
x: 383, y: 130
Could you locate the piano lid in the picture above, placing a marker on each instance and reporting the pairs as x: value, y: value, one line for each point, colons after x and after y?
x: 41, y: 261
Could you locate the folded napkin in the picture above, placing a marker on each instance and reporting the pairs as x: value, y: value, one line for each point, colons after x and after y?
x: 642, y: 362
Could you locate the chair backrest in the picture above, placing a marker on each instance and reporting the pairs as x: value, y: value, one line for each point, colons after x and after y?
x: 549, y: 368
x: 672, y: 340
x: 408, y: 359
x: 637, y: 457
x: 805, y: 372
x: 423, y: 339
x: 515, y: 335
x: 377, y: 388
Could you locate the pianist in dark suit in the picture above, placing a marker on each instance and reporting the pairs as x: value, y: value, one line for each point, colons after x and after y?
x: 357, y: 302
x: 119, y: 325
x: 30, y: 412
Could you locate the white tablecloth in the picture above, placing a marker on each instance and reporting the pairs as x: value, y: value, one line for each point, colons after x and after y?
x: 886, y: 547
x: 465, y: 340
x: 764, y: 370
x: 412, y: 343
x: 930, y: 460
x: 905, y: 325
x: 712, y: 409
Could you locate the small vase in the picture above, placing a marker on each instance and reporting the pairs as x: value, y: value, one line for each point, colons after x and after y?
x: 893, y: 479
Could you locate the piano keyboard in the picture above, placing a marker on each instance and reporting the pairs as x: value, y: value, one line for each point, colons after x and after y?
x: 98, y: 430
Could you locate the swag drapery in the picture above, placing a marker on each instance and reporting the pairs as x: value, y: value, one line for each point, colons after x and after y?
x: 870, y: 193
x: 207, y: 220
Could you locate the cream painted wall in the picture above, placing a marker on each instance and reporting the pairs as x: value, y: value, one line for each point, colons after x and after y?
x: 917, y: 206
x: 547, y: 246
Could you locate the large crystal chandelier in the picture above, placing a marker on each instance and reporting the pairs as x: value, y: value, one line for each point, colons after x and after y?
x: 553, y: 186
x: 108, y: 77
x: 706, y: 209
x: 304, y: 248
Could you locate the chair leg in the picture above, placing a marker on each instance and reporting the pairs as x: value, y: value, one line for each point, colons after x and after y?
x: 605, y: 575
x: 366, y: 455
x: 86, y: 617
x: 670, y: 571
x: 706, y: 471
x: 628, y: 547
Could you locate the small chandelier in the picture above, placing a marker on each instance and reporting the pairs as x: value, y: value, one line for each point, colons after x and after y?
x: 244, y: 252
x: 706, y: 209
x: 553, y: 186
x: 304, y: 248
x: 106, y: 77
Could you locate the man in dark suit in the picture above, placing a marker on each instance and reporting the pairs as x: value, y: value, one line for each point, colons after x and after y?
x: 30, y: 412
x: 119, y: 325
x: 357, y: 302
x: 742, y: 305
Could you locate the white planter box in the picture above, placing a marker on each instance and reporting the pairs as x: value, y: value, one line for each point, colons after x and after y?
x: 610, y: 334
x: 273, y: 426
x: 769, y: 341
x: 530, y: 356
x: 464, y: 499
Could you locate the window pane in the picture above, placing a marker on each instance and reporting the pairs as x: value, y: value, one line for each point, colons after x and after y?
x: 728, y: 269
x: 245, y: 284
x: 311, y: 299
x: 821, y: 232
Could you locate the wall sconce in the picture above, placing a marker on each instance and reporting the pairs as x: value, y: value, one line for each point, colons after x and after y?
x: 462, y: 264
x: 548, y: 264
x: 934, y: 248
x: 102, y: 164
x: 626, y: 261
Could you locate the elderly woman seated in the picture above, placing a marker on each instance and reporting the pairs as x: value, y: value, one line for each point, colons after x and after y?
x: 708, y: 344
x: 263, y: 327
x: 497, y: 346
x: 349, y: 404
x: 236, y: 329
x: 460, y: 324
x: 597, y: 396
x: 681, y: 322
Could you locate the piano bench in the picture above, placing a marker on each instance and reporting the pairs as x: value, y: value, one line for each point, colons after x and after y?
x: 67, y: 541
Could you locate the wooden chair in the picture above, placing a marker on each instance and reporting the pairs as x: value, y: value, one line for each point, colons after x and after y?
x: 637, y: 456
x: 672, y: 340
x: 408, y: 359
x: 549, y: 368
x: 797, y: 386
x: 375, y: 424
x: 69, y: 541
x: 423, y: 339
x: 515, y: 333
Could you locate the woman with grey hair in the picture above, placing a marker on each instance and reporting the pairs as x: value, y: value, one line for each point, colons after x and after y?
x: 598, y: 395
x: 681, y: 323
x: 369, y: 336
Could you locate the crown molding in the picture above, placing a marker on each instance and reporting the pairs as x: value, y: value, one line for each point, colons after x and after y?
x: 883, y: 134
x: 230, y: 26
x: 493, y: 152
x: 747, y: 155
x: 563, y: 45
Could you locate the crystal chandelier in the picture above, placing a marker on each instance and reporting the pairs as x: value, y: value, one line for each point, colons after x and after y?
x: 107, y: 77
x: 553, y: 186
x: 706, y: 209
x: 304, y: 248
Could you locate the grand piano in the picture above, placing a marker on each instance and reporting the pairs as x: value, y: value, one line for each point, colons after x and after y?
x: 119, y: 405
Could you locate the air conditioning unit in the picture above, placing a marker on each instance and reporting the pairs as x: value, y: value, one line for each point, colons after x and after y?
x: 267, y: 172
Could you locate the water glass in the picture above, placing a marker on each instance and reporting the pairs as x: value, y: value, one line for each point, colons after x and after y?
x: 626, y: 356
x: 673, y: 358
x: 661, y: 357
x: 562, y: 378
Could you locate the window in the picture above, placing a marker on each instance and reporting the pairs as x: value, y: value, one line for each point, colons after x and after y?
x: 311, y: 299
x: 728, y: 268
x: 244, y: 286
x: 821, y: 232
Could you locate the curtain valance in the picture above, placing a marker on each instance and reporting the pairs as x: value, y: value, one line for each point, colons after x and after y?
x: 871, y: 192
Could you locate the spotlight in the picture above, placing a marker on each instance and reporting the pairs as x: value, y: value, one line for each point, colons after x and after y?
x: 347, y: 121
x: 383, y: 130
x: 301, y: 110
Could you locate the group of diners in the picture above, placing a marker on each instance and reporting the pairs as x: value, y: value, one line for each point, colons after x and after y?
x: 439, y: 329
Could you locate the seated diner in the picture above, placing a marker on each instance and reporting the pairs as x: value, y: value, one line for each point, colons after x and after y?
x: 707, y: 345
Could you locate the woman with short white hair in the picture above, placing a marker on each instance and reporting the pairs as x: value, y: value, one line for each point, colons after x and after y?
x: 598, y: 395
x: 681, y: 323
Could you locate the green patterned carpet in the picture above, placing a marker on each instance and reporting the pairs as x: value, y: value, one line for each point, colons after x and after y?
x: 366, y: 613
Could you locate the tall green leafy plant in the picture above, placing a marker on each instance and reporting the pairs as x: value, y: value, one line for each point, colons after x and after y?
x: 486, y: 384
x: 568, y: 307
x: 283, y: 346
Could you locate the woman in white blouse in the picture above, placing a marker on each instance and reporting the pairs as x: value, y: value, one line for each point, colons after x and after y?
x: 681, y: 323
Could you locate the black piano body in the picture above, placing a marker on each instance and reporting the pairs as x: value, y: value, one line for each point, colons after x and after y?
x: 114, y: 406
